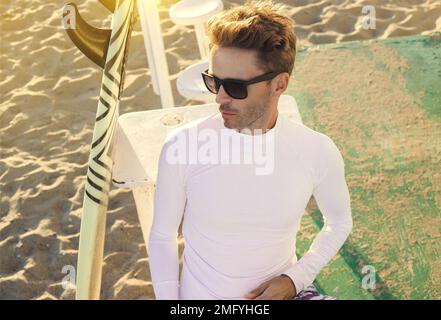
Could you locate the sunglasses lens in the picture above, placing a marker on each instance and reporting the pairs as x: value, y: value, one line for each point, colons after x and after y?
x: 235, y: 90
x: 210, y: 83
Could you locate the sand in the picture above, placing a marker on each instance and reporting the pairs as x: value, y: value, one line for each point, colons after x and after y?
x: 49, y: 92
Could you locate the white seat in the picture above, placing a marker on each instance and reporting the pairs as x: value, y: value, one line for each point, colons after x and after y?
x: 190, y: 12
x: 191, y: 85
x: 138, y: 140
x: 196, y: 12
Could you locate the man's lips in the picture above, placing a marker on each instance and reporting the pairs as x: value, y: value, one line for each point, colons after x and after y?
x: 227, y: 112
x: 228, y: 115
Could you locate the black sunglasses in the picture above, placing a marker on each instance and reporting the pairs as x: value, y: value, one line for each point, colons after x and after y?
x: 235, y: 88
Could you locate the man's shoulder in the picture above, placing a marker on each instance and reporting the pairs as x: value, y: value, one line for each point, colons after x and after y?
x: 303, y: 136
x: 316, y: 148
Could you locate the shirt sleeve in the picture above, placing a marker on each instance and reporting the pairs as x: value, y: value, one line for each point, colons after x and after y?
x: 332, y: 196
x: 168, y: 209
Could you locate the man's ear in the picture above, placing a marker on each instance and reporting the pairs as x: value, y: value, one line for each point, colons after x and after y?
x: 281, y: 83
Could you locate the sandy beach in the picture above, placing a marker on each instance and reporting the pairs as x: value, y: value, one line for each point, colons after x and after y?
x: 49, y: 91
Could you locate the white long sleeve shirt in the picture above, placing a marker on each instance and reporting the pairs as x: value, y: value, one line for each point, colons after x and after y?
x: 240, y: 219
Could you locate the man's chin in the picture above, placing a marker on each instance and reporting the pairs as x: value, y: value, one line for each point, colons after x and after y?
x: 230, y: 124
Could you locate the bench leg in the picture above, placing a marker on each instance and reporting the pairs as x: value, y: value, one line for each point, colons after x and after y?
x: 144, y: 197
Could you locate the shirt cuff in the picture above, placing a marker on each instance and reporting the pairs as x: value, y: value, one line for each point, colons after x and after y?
x: 168, y: 290
x: 298, y: 277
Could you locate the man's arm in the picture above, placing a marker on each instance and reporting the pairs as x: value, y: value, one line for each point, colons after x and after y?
x: 169, y: 204
x: 332, y: 196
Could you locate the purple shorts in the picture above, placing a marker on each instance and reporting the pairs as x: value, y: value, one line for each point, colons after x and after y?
x: 311, y: 293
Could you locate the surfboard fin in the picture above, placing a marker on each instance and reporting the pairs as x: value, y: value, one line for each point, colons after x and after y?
x: 93, y: 42
x: 109, y: 4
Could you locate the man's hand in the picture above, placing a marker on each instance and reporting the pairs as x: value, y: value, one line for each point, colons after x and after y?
x: 278, y: 288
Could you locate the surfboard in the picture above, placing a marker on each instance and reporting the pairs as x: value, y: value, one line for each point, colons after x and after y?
x: 108, y: 49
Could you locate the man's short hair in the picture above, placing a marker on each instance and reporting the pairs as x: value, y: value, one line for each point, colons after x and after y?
x: 258, y: 26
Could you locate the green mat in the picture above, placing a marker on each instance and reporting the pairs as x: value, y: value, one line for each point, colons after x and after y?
x: 380, y: 101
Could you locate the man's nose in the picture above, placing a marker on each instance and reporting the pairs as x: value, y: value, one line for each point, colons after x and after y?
x: 222, y: 97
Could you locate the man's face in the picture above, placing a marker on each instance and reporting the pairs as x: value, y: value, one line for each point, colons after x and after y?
x: 251, y: 112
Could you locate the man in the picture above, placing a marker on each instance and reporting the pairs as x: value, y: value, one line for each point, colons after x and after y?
x: 239, y: 225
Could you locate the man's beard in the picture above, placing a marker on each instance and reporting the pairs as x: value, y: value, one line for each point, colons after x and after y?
x: 244, y: 120
x: 255, y: 116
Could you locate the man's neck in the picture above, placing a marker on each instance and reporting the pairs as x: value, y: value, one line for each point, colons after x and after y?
x: 266, y: 124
